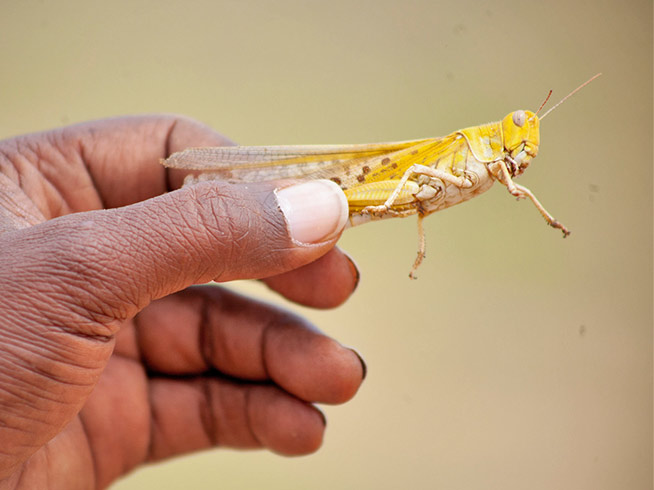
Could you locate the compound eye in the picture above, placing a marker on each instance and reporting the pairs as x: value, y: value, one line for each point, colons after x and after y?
x: 519, y: 118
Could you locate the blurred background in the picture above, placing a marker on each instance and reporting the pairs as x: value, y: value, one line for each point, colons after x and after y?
x: 517, y: 360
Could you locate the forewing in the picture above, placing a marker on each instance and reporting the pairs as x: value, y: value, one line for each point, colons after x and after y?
x: 347, y: 165
x: 259, y: 163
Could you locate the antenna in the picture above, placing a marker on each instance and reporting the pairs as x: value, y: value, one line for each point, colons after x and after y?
x: 567, y: 96
x: 544, y: 102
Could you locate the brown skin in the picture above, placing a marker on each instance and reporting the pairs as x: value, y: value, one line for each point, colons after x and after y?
x: 108, y: 359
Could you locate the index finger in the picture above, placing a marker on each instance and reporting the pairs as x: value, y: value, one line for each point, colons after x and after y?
x: 122, y: 154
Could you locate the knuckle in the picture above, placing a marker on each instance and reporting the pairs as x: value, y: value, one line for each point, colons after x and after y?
x: 59, y: 282
x: 83, y: 260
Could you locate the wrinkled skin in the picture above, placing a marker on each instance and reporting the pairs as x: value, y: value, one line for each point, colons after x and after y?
x: 108, y: 358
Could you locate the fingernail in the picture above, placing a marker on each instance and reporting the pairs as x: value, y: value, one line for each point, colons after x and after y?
x: 354, y: 269
x: 322, y: 415
x: 315, y: 211
x: 364, y: 367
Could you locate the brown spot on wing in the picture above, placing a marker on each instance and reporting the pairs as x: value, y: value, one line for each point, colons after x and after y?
x: 365, y: 169
x: 336, y: 180
x: 386, y: 161
x: 361, y: 178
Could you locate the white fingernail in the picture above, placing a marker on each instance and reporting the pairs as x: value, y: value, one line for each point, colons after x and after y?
x: 315, y: 211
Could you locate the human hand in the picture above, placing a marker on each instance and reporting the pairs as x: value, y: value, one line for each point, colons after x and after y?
x: 108, y: 359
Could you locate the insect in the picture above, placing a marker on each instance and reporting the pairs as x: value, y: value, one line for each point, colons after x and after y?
x: 385, y: 180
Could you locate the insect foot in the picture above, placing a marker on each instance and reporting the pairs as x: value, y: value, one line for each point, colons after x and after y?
x: 556, y: 224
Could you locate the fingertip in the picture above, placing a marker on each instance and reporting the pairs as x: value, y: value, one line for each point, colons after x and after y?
x: 364, y: 366
x: 324, y: 283
x: 348, y: 371
x: 312, y: 366
x: 285, y: 424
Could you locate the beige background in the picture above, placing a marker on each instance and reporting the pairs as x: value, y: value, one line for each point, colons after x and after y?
x: 517, y: 360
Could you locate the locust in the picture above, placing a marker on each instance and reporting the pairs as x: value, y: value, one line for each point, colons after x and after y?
x: 397, y: 179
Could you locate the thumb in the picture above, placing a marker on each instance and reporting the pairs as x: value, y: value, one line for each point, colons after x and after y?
x: 126, y: 257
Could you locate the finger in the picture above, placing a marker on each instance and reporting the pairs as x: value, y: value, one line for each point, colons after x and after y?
x: 193, y: 415
x: 123, y: 258
x: 165, y: 417
x: 102, y: 164
x: 324, y: 283
x: 209, y: 328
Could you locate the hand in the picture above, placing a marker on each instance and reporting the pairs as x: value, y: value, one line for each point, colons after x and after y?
x: 108, y: 359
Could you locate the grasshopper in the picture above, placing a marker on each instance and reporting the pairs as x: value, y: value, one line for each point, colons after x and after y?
x: 385, y: 180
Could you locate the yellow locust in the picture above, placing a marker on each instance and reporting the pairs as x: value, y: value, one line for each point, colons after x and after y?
x: 384, y: 180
